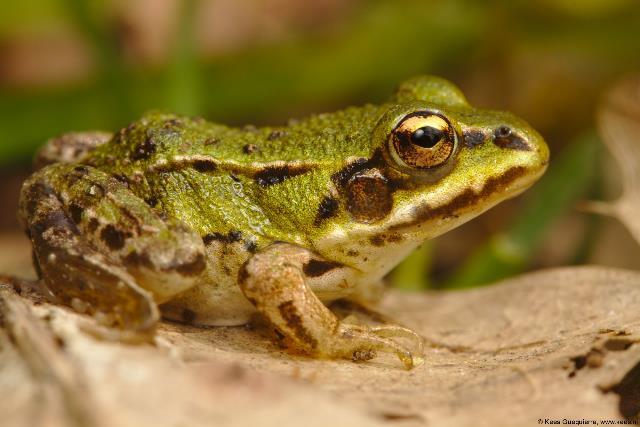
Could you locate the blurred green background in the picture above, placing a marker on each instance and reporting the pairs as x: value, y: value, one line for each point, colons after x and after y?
x: 77, y: 65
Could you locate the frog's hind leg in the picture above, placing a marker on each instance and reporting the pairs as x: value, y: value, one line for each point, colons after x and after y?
x: 274, y: 280
x: 71, y: 147
x: 101, y: 249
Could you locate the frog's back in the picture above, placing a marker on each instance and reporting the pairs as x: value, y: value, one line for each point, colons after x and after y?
x: 323, y: 137
x: 266, y: 183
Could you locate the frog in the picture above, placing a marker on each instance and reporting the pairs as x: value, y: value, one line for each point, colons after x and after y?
x: 180, y: 218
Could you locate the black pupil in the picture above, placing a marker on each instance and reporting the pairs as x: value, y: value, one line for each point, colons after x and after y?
x: 427, y: 136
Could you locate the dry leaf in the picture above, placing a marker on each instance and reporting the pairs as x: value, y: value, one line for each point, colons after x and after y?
x: 619, y: 125
x: 53, y: 374
x: 557, y: 344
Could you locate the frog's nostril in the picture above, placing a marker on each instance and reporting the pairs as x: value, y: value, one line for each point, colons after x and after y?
x: 502, y: 132
x: 504, y: 137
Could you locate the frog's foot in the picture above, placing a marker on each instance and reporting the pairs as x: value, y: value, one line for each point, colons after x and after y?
x: 274, y: 281
x: 395, y: 331
x: 69, y: 147
x: 115, y: 266
x: 361, y: 342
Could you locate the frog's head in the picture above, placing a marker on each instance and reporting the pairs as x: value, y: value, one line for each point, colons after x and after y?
x: 437, y: 163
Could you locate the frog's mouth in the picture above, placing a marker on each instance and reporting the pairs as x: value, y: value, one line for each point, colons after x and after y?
x: 469, y: 203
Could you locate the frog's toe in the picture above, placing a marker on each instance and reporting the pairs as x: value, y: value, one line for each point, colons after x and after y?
x: 361, y: 343
x: 393, y: 331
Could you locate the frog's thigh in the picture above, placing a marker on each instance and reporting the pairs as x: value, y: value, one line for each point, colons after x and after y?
x: 74, y: 271
x: 275, y: 281
x: 96, y: 242
x: 69, y: 147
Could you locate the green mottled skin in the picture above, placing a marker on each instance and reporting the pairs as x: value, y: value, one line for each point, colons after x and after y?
x: 215, y: 221
x: 323, y: 142
x: 327, y: 142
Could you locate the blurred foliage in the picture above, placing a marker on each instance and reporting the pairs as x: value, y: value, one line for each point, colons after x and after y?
x: 413, y: 273
x: 382, y: 43
x: 568, y: 180
x: 545, y: 60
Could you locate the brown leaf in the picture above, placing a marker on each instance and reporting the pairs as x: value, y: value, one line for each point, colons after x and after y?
x: 619, y: 126
x: 557, y: 344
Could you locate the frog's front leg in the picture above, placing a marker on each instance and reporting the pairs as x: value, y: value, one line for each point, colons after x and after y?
x: 101, y: 249
x: 274, y: 280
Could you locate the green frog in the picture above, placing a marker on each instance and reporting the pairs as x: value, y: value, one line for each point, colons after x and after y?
x: 208, y: 224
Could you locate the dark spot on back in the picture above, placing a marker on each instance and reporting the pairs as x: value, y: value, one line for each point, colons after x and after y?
x: 121, y: 179
x: 76, y: 212
x: 250, y: 148
x: 113, y: 237
x: 230, y: 237
x: 234, y: 178
x: 151, y: 201
x: 171, y: 123
x: 473, y: 138
x: 76, y: 174
x: 144, y: 149
x: 294, y: 322
x: 272, y: 175
x: 276, y: 134
x: 315, y: 268
x: 204, y: 165
x: 211, y: 141
x: 207, y: 239
x: 328, y: 208
x: 234, y: 236
x: 504, y: 137
x: 82, y: 170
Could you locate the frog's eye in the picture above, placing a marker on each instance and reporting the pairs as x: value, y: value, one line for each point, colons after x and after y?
x: 423, y: 141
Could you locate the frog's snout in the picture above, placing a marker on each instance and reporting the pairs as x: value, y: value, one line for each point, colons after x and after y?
x: 539, y: 151
x: 525, y: 140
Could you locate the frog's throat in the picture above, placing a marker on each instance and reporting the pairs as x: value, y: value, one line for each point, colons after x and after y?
x: 425, y: 221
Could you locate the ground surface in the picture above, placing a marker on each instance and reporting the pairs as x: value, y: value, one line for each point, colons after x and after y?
x: 559, y: 344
